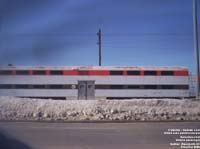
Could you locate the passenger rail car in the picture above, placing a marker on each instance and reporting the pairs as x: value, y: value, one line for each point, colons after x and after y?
x: 94, y: 82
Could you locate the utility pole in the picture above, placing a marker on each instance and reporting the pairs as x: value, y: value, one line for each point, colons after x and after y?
x: 99, y: 43
x: 196, y: 47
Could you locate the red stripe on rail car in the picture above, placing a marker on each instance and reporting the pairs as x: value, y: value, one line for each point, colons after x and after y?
x: 125, y: 73
x: 99, y: 72
x: 104, y: 72
x: 83, y: 72
x: 47, y: 72
x: 181, y: 73
x: 30, y: 72
x: 70, y: 72
x: 14, y: 72
x: 158, y: 73
x: 142, y: 72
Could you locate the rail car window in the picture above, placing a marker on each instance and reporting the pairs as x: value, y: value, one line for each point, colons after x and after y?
x: 133, y: 72
x: 22, y: 72
x: 141, y: 86
x: 116, y: 72
x: 39, y: 72
x: 73, y: 86
x: 150, y: 73
x: 55, y: 86
x: 38, y: 86
x: 159, y: 87
x: 116, y: 86
x: 102, y: 86
x: 167, y: 73
x: 67, y: 86
x: 181, y: 87
x: 22, y: 86
x: 167, y: 86
x: 5, y: 72
x: 56, y: 72
x: 6, y: 86
x: 133, y: 87
x: 150, y: 86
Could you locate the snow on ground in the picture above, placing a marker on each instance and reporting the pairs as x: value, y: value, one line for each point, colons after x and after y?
x: 12, y: 108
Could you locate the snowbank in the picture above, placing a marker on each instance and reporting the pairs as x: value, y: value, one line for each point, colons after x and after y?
x: 12, y: 108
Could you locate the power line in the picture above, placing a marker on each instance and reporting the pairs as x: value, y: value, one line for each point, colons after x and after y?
x: 92, y: 34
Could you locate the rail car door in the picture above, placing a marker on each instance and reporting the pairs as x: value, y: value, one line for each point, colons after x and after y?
x: 86, y: 90
x: 90, y: 90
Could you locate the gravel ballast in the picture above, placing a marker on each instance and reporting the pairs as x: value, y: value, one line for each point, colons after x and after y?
x: 12, y: 108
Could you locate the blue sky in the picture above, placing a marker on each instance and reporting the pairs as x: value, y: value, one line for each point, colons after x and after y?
x: 63, y: 32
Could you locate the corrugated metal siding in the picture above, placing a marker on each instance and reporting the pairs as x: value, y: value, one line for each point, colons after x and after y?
x: 98, y: 93
x: 98, y: 79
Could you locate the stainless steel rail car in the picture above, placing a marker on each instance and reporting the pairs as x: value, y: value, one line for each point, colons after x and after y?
x: 90, y: 82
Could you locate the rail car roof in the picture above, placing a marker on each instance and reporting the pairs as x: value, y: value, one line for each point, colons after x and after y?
x: 93, y: 68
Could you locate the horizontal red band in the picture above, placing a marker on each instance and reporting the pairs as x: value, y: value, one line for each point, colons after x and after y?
x: 181, y: 73
x: 70, y: 72
x: 96, y: 72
